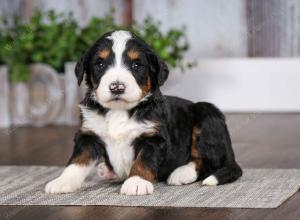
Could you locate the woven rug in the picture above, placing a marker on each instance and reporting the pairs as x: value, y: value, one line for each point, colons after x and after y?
x: 258, y: 188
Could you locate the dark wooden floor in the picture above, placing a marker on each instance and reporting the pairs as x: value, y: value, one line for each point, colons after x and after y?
x: 260, y: 141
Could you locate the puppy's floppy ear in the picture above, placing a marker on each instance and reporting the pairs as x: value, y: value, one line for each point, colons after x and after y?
x: 159, y: 68
x: 80, y: 69
x: 163, y: 72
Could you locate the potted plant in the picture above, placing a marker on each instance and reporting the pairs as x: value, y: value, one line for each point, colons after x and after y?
x: 49, y: 39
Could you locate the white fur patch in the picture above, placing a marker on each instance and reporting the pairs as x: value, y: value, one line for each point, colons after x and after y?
x: 183, y: 175
x: 119, y: 39
x: 70, y: 180
x: 210, y: 181
x: 117, y: 131
x: 136, y: 186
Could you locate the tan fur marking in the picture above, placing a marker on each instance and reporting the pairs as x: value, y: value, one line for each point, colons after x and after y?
x: 146, y: 88
x: 104, y: 53
x: 195, y: 153
x: 133, y: 54
x: 82, y: 159
x: 139, y: 169
x: 95, y: 86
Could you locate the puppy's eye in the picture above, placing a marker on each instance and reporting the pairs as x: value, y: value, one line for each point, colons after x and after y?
x: 100, y: 64
x: 135, y: 65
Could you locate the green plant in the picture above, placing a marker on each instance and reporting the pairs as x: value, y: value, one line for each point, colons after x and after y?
x: 15, y: 44
x: 94, y: 29
x: 54, y: 39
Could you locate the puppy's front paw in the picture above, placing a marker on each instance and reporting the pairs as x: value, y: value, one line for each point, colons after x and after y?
x: 136, y: 186
x: 62, y: 185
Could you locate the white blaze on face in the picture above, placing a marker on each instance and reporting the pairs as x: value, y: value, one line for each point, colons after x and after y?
x: 119, y: 39
x: 119, y: 72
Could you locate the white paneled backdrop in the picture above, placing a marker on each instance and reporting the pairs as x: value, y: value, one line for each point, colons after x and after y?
x: 218, y: 28
x: 223, y: 34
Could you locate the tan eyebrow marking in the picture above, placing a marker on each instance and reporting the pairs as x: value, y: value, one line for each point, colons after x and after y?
x: 133, y: 54
x: 104, y: 53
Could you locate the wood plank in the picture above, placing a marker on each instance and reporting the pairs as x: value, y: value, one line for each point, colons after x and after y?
x: 8, y: 7
x: 127, y: 12
x: 82, y: 10
x: 273, y: 28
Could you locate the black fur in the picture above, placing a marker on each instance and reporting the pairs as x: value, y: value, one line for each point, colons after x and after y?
x: 170, y: 147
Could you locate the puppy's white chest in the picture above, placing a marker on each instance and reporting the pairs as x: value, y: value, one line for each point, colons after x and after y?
x: 118, y: 139
x: 119, y: 127
x: 118, y: 131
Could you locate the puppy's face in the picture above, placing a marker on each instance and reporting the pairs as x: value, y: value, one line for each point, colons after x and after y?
x: 122, y: 70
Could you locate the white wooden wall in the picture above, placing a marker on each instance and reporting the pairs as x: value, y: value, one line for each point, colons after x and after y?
x: 215, y: 28
x: 82, y: 10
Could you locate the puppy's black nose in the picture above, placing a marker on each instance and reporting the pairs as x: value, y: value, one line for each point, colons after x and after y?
x: 117, y: 88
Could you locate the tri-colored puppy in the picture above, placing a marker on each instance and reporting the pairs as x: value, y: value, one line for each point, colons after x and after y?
x: 142, y: 135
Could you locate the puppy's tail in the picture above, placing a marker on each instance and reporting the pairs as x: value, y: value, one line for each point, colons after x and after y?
x: 224, y: 175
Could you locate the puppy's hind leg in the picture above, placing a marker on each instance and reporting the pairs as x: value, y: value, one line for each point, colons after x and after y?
x: 219, y: 166
x: 224, y: 175
x: 188, y: 173
x: 183, y: 175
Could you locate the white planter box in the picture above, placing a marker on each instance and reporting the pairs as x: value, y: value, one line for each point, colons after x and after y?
x: 73, y: 94
x: 4, y: 98
x: 60, y: 118
x: 47, y: 98
x: 19, y: 104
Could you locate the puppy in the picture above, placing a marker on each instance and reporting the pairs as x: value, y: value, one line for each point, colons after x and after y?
x: 142, y: 135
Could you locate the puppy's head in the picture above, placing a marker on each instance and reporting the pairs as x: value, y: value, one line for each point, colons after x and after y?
x: 121, y: 70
